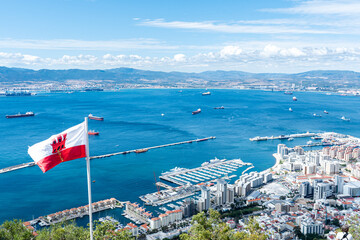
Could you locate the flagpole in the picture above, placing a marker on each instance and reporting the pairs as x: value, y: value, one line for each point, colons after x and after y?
x: 88, y: 178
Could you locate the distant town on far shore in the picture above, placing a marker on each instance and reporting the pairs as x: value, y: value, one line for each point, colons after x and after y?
x: 18, y: 79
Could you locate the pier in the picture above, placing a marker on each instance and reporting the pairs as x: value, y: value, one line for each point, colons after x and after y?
x: 297, y: 135
x: 138, y: 151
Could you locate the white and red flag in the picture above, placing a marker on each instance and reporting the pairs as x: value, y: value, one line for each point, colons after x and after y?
x: 62, y: 147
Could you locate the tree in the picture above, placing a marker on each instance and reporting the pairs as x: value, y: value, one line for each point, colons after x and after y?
x: 253, y: 231
x: 212, y: 227
x: 13, y: 230
x: 62, y: 231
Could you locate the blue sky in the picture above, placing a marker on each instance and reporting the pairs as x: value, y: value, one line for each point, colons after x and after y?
x: 172, y: 35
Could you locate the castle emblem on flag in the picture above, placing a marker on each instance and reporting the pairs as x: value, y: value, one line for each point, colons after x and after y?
x: 58, y: 143
x: 65, y: 146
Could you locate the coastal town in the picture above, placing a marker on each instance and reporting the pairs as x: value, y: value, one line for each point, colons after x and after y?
x: 307, y: 191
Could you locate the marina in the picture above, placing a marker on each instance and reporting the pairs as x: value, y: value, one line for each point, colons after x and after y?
x: 208, y: 171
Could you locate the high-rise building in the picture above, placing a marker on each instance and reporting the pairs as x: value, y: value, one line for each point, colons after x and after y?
x: 305, y: 189
x: 230, y: 194
x: 310, y: 227
x: 322, y: 191
x: 205, y: 194
x: 339, y: 183
x: 221, y: 187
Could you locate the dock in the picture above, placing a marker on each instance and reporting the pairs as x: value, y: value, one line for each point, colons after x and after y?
x: 138, y: 151
x: 207, y: 172
x: 297, y: 135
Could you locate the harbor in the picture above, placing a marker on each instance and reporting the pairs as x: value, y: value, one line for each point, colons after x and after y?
x: 141, y: 150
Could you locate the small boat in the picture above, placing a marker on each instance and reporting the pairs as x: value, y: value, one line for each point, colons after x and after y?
x: 141, y: 150
x: 206, y: 93
x: 290, y: 139
x: 309, y: 142
x: 92, y: 132
x: 316, y: 137
x: 197, y: 111
x: 93, y: 181
x: 345, y: 119
x: 288, y: 93
x: 294, y: 99
x: 290, y: 109
x: 222, y: 107
x: 162, y: 114
x: 326, y: 112
x: 316, y: 115
x: 28, y: 114
x: 95, y: 118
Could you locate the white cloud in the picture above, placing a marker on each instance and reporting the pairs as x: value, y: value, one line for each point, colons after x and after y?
x: 231, y: 57
x: 230, y: 51
x: 180, y: 57
x: 72, y: 44
x: 325, y: 7
x: 233, y: 27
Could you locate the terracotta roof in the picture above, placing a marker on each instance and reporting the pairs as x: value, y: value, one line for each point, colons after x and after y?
x: 131, y: 225
x: 253, y: 200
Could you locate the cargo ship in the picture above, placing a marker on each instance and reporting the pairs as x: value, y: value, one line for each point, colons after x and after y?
x: 92, y: 132
x: 17, y: 94
x: 95, y: 118
x: 28, y: 114
x: 196, y: 112
x: 93, y: 89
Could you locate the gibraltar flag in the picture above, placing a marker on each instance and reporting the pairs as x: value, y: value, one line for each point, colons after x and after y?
x: 65, y: 146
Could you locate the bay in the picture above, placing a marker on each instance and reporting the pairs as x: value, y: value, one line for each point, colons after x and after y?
x: 133, y: 119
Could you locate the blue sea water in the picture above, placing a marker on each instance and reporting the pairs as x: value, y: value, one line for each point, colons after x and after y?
x: 133, y: 120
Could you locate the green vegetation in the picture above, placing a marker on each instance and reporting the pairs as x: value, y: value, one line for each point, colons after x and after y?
x: 15, y: 230
x: 240, y: 212
x: 212, y: 227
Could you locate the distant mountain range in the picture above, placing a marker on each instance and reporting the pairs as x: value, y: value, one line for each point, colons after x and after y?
x: 323, y: 78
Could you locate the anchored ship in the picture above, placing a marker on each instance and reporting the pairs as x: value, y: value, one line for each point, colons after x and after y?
x: 206, y: 93
x: 196, y: 112
x: 95, y: 118
x: 92, y: 132
x: 28, y: 114
x: 345, y: 119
